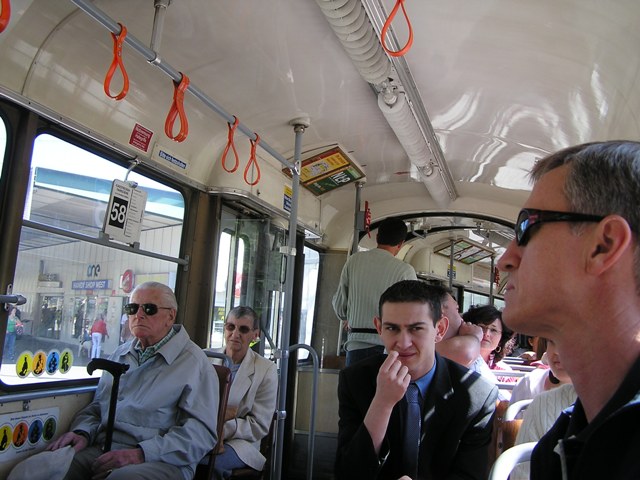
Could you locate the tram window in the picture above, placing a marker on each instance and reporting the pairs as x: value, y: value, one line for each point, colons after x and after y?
x: 309, y: 289
x: 71, y: 187
x: 227, y: 294
x: 70, y: 282
x: 473, y: 298
x: 250, y: 271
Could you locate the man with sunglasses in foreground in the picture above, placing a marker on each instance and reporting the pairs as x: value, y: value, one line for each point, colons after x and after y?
x: 252, y: 398
x: 574, y: 277
x: 167, y: 403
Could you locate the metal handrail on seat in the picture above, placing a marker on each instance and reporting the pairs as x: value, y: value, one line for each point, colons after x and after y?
x: 508, y: 459
x: 226, y: 360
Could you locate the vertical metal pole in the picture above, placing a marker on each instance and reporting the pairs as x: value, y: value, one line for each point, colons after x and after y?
x: 314, y: 399
x: 492, y: 276
x: 299, y: 126
x: 158, y: 23
x: 451, y: 266
x: 356, y: 218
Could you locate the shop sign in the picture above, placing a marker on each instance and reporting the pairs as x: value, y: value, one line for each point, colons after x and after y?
x: 91, y: 284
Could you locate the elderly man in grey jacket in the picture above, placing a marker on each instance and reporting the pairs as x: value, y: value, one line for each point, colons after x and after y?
x: 167, y: 404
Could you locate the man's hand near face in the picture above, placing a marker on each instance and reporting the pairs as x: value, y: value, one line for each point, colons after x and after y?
x: 392, y: 382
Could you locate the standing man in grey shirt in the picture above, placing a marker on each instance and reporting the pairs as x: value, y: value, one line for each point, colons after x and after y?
x: 364, y: 277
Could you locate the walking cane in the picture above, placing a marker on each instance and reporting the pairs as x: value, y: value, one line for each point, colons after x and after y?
x: 116, y: 370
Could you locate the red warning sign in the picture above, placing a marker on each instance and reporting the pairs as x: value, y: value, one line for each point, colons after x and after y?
x: 141, y: 137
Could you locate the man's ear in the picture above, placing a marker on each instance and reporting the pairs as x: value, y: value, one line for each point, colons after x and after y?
x: 442, y: 326
x: 611, y: 239
x: 377, y: 322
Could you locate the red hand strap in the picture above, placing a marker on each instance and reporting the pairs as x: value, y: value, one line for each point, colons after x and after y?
x: 5, y: 15
x: 387, y: 24
x: 252, y: 159
x: 232, y: 129
x: 177, y: 109
x: 118, y: 41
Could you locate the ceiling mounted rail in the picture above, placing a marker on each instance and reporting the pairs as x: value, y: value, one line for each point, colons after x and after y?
x: 152, y: 57
x: 355, y: 25
x: 377, y: 15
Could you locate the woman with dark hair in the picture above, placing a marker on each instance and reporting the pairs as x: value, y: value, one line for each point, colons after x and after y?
x: 497, y: 340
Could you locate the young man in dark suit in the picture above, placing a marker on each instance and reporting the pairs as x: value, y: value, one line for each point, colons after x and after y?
x: 456, y: 405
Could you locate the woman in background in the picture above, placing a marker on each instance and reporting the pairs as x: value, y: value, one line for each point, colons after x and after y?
x: 497, y: 340
x: 98, y: 330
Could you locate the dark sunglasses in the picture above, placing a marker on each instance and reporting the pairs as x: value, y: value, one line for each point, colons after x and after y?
x: 149, y: 309
x: 528, y: 217
x: 243, y: 329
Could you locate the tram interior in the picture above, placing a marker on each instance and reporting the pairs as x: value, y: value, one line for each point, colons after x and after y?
x: 442, y: 137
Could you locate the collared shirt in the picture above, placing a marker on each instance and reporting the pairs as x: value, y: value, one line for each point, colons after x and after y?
x: 145, y: 354
x: 424, y: 381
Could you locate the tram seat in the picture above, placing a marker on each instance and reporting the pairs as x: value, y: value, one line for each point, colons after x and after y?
x: 266, y: 448
x: 507, y: 433
x: 205, y: 468
x: 498, y: 417
x: 506, y: 426
x: 506, y: 462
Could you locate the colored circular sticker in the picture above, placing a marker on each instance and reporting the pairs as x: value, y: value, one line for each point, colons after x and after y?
x: 39, y: 361
x: 50, y: 425
x: 5, y: 437
x: 23, y: 365
x: 53, y: 361
x: 20, y: 433
x: 35, y: 431
x: 66, y: 360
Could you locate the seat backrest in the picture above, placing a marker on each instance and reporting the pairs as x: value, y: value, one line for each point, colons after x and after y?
x: 506, y: 462
x: 507, y: 433
x: 498, y: 418
x: 506, y: 426
x: 224, y: 377
x: 266, y: 444
x: 224, y: 358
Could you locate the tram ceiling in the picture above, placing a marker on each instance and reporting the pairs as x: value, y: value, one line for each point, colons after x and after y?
x: 493, y: 77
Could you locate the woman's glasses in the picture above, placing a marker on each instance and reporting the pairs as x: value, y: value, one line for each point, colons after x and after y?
x: 149, y: 309
x: 243, y: 329
x: 491, y: 330
x: 529, y: 217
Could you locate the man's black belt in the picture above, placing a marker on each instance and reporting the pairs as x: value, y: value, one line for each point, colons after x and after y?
x: 363, y: 330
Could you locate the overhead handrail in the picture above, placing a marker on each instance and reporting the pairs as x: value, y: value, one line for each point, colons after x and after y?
x: 118, y: 40
x: 387, y: 24
x: 177, y: 110
x: 230, y: 144
x: 252, y: 159
x: 101, y: 17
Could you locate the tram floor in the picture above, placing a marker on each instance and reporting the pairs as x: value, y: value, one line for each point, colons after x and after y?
x: 323, y: 457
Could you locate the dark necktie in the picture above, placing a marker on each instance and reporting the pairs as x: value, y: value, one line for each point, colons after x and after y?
x: 412, y: 431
